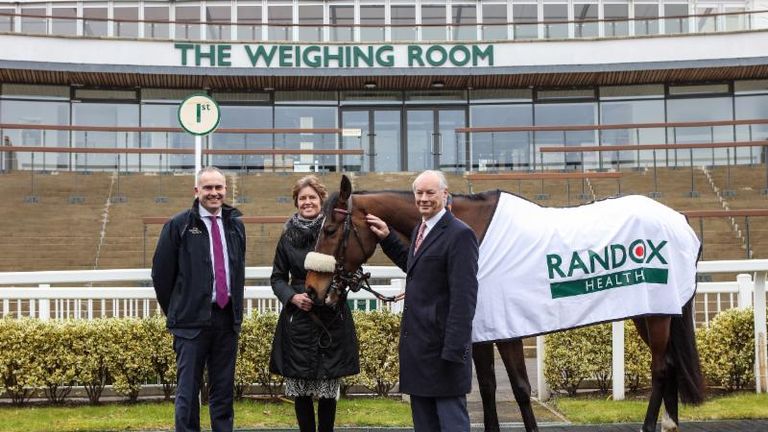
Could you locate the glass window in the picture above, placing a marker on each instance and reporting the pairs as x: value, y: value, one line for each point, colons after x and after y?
x: 646, y: 19
x: 29, y: 91
x: 555, y: 17
x: 86, y: 93
x: 501, y: 150
x: 699, y: 109
x: 567, y: 114
x: 244, y: 117
x: 585, y: 17
x: 156, y: 22
x: 634, y: 92
x: 306, y: 117
x: 165, y: 115
x: 31, y: 23
x: 188, y: 22
x: 6, y: 20
x: 95, y: 21
x: 63, y: 21
x: 280, y: 20
x: 560, y: 94
x: 737, y: 21
x: 164, y: 94
x: 217, y: 20
x: 311, y: 20
x: 500, y: 95
x: 708, y: 22
x: 371, y: 23
x: 633, y: 111
x: 433, y: 23
x: 342, y: 19
x: 105, y: 114
x: 748, y: 108
x: 494, y: 21
x: 403, y: 18
x: 38, y: 113
x: 464, y: 20
x: 616, y: 16
x: 130, y: 27
x: 677, y: 21
x: 676, y: 90
x: 750, y: 86
x: 525, y: 13
x: 249, y: 23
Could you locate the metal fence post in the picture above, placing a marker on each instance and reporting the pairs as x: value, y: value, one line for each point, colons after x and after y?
x: 541, y: 382
x: 617, y: 342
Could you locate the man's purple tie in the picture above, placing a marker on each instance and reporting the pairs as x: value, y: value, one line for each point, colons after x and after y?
x: 218, y: 265
x: 419, y: 237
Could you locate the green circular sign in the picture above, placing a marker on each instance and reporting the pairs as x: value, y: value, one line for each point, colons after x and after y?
x: 199, y: 114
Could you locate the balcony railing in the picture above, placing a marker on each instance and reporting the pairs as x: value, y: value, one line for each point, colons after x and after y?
x: 501, y: 29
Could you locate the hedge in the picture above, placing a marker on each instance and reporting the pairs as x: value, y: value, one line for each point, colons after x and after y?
x: 51, y: 357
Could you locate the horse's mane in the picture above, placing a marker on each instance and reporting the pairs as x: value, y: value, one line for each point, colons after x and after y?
x: 333, y: 198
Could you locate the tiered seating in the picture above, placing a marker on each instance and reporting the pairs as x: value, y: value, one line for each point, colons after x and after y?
x: 126, y: 239
x: 747, y: 184
x: 52, y: 234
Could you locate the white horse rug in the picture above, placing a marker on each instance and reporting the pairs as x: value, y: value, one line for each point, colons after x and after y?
x: 545, y: 269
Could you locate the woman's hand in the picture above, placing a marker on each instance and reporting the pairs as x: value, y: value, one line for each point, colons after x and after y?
x: 302, y: 301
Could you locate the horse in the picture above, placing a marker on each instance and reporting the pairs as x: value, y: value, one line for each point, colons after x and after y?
x: 345, y: 243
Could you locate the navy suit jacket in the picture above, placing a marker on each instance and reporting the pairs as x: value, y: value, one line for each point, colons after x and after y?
x: 441, y: 292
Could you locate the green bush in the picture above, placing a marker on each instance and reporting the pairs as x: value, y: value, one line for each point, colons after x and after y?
x: 378, y: 334
x: 93, y: 340
x: 727, y: 349
x: 20, y: 365
x: 637, y: 359
x: 55, y: 345
x: 129, y: 359
x: 162, y: 356
x: 254, y: 349
x: 573, y: 356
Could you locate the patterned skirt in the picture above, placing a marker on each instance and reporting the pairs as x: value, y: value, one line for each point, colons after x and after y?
x: 321, y: 388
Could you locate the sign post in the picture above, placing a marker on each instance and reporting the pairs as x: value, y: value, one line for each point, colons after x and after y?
x: 199, y: 115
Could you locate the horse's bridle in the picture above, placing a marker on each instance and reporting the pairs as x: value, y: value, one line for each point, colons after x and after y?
x: 343, y: 280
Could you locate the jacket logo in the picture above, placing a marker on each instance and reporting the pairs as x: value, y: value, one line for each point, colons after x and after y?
x: 195, y: 230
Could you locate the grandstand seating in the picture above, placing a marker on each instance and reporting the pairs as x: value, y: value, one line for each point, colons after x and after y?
x: 54, y: 234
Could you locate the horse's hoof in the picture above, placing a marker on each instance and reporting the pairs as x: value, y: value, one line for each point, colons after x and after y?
x: 667, y: 424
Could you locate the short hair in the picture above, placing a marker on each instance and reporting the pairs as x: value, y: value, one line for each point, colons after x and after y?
x: 440, y: 176
x: 313, y: 182
x: 209, y: 169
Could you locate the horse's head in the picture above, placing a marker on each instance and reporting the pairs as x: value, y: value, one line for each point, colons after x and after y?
x: 344, y: 244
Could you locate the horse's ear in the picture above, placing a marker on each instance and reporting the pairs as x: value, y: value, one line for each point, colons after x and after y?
x: 346, y: 188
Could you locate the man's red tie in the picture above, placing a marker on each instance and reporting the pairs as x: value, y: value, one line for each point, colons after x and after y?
x: 220, y: 272
x: 419, y: 237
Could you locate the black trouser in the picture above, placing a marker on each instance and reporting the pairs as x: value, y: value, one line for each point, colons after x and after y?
x: 217, y: 347
x: 305, y: 414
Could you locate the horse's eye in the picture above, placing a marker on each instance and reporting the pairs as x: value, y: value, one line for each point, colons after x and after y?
x: 329, y: 230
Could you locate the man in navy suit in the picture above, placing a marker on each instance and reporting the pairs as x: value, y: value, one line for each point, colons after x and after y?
x: 199, y: 276
x: 441, y: 291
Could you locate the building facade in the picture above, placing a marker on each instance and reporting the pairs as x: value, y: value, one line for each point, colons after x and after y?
x: 412, y: 84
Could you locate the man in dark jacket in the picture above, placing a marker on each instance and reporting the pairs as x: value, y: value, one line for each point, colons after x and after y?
x: 199, y: 275
x: 441, y: 292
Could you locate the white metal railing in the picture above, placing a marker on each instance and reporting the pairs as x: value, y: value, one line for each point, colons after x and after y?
x: 45, y: 301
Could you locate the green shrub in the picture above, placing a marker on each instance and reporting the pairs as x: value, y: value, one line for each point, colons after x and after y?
x: 20, y: 367
x: 572, y: 356
x: 162, y: 357
x: 378, y: 334
x: 727, y: 349
x: 93, y: 340
x: 129, y: 356
x: 637, y: 359
x: 254, y: 348
x: 55, y: 344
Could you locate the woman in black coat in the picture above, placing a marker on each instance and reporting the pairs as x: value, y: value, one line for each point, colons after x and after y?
x: 314, y: 346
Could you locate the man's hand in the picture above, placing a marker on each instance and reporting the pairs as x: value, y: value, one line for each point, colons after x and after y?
x: 302, y: 301
x: 378, y: 226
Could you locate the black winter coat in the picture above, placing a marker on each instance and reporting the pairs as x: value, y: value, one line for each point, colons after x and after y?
x: 182, y: 273
x: 301, y: 348
x: 441, y: 293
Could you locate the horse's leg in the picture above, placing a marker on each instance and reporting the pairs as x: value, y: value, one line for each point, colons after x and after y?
x: 513, y: 355
x: 657, y: 331
x: 482, y: 354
